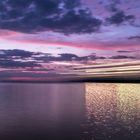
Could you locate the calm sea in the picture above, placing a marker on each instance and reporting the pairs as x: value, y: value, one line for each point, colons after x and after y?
x: 74, y: 111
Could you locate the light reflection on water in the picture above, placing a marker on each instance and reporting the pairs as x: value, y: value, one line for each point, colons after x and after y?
x: 112, y: 111
x: 84, y: 111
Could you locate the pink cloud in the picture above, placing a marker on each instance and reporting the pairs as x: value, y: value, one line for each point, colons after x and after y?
x: 92, y: 46
x: 20, y: 38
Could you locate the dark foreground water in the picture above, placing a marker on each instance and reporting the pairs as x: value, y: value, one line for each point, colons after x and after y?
x: 87, y: 111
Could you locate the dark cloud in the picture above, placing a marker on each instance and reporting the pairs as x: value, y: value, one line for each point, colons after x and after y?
x: 21, y: 59
x: 14, y: 59
x: 134, y: 37
x: 15, y: 53
x: 129, y: 51
x: 17, y: 64
x: 61, y: 57
x: 122, y: 57
x: 82, y: 58
x: 64, y: 16
x: 66, y: 57
x: 120, y: 17
x: 123, y: 51
x: 112, y: 6
x: 91, y: 57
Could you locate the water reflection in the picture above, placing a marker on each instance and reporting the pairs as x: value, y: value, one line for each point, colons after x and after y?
x: 113, y: 111
x: 41, y: 111
x: 87, y: 111
x: 129, y: 104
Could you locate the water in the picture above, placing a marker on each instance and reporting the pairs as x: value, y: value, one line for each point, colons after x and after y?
x: 87, y: 111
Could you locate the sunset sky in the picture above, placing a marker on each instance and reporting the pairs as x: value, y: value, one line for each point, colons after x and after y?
x: 45, y: 40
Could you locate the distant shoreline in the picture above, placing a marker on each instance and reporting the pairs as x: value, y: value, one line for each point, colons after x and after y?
x: 89, y: 80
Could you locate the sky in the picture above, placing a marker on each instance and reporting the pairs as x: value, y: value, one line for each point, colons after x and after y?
x: 49, y: 40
